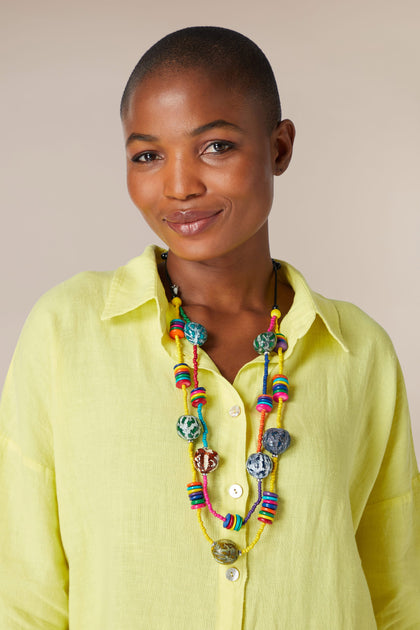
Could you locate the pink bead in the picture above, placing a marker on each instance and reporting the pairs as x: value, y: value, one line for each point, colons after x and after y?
x: 264, y: 403
x: 263, y: 407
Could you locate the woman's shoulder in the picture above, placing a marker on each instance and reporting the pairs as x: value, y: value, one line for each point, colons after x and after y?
x: 360, y: 330
x: 69, y: 308
x: 83, y: 292
x: 82, y: 299
x: 357, y: 330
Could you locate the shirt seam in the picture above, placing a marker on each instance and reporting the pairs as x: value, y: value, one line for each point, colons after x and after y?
x: 27, y: 461
x: 407, y: 496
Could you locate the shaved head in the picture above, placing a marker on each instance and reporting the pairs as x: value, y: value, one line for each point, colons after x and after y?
x: 227, y: 57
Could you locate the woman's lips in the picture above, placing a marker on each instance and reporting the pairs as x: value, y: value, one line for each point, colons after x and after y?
x: 191, y: 222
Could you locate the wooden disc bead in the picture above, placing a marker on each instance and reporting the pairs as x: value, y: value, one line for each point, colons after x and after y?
x: 264, y: 403
x: 198, y: 396
x: 182, y: 375
x: 280, y: 387
x: 281, y: 342
x: 233, y: 521
x: 176, y: 328
x: 269, y: 507
x: 196, y: 495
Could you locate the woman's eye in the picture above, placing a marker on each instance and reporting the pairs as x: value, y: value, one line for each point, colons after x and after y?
x: 218, y: 146
x: 146, y: 156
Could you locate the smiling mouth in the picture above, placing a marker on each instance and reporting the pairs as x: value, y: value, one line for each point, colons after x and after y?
x: 191, y: 222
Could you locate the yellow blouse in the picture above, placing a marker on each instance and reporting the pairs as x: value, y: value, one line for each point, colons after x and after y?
x: 96, y: 532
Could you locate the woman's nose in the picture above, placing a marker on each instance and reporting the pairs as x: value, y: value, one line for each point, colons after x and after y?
x: 182, y: 180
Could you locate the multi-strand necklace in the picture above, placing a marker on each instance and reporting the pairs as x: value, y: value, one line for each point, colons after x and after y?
x: 205, y: 460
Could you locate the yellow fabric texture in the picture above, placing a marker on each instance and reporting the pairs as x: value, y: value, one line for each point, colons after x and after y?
x: 96, y: 532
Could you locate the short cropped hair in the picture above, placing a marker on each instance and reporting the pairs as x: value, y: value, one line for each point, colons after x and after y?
x: 229, y: 56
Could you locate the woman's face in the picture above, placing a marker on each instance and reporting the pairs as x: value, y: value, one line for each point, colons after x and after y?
x: 200, y: 163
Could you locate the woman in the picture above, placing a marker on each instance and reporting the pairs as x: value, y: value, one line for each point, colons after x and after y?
x: 163, y: 386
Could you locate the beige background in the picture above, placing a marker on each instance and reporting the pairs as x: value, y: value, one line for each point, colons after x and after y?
x: 346, y: 212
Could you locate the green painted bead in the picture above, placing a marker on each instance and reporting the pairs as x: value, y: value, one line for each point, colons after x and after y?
x: 188, y: 427
x: 265, y: 342
x: 224, y: 551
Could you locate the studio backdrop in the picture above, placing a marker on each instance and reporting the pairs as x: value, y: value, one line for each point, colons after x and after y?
x: 346, y: 213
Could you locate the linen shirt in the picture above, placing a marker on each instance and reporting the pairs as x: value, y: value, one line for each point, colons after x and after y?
x: 96, y: 532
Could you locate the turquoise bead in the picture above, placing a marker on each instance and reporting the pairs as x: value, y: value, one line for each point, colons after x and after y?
x: 265, y: 342
x: 188, y: 427
x: 195, y: 333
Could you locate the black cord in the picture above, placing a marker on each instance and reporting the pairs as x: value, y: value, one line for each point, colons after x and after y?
x: 175, y: 288
x: 276, y: 267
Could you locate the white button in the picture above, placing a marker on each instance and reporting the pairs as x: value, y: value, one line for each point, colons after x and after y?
x: 235, y: 411
x: 235, y: 491
x: 232, y: 574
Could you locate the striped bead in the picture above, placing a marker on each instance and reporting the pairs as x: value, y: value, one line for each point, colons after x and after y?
x: 176, y: 328
x: 281, y: 342
x: 196, y: 495
x: 268, y: 508
x: 198, y: 396
x: 182, y: 375
x: 233, y: 521
x: 280, y: 387
x: 264, y: 403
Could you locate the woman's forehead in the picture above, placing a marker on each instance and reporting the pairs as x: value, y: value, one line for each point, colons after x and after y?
x: 191, y: 96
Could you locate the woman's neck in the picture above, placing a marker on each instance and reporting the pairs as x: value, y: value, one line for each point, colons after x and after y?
x: 228, y: 284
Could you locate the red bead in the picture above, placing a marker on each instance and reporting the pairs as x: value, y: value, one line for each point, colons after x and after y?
x: 206, y: 460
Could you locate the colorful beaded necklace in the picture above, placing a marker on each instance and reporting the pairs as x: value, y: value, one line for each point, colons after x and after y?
x: 189, y: 427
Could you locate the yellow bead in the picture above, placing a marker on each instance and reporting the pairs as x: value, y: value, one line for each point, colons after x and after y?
x: 176, y: 301
x: 275, y: 313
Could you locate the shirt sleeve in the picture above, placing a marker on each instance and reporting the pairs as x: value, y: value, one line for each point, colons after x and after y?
x: 33, y: 566
x: 388, y: 535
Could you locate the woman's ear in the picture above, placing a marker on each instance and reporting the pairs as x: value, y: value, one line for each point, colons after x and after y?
x: 282, y: 145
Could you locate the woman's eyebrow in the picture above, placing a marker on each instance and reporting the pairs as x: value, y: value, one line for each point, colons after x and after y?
x: 142, y: 137
x: 213, y: 124
x: 219, y: 123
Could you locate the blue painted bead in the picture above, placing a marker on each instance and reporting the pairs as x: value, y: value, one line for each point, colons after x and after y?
x: 259, y: 465
x: 195, y: 333
x: 276, y: 440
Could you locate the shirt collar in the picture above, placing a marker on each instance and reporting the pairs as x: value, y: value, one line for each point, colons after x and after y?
x: 134, y: 284
x: 138, y: 281
x: 307, y: 305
